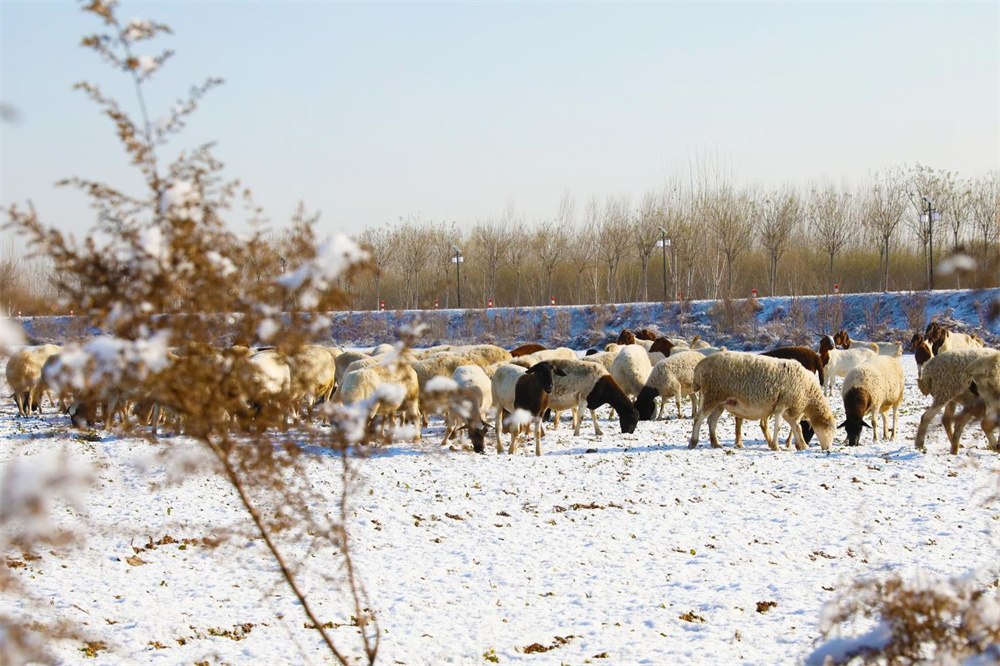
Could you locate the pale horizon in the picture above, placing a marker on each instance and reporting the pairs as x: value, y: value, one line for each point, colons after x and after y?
x: 372, y: 112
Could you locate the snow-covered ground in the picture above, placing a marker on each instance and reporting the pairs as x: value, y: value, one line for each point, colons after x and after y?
x: 613, y: 549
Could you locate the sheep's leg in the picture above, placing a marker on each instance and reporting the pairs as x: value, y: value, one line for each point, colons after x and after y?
x: 19, y: 401
x: 738, y: 441
x: 764, y: 429
x: 925, y: 421
x: 694, y: 404
x: 155, y: 418
x: 514, y: 436
x: 555, y: 419
x: 895, y: 419
x: 696, y: 428
x: 885, y: 425
x: 538, y: 435
x: 773, y: 443
x: 990, y: 422
x: 497, y: 429
x: 713, y: 422
x: 948, y: 419
x: 677, y: 403
x: 577, y: 420
x: 796, y: 434
x: 597, y: 426
x: 958, y: 428
x: 109, y: 413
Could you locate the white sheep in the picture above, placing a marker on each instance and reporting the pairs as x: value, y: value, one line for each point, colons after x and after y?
x: 24, y: 375
x: 984, y: 382
x: 945, y: 377
x: 631, y: 369
x: 384, y: 390
x: 871, y: 389
x: 344, y: 360
x: 751, y: 386
x: 313, y: 373
x: 383, y: 348
x: 670, y: 378
x: 473, y: 380
x: 838, y: 362
x: 502, y: 387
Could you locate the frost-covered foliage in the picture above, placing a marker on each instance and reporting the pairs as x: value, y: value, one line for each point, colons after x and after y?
x: 157, y: 268
x: 921, y: 621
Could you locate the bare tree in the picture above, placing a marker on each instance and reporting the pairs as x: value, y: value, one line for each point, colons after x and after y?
x: 831, y: 221
x: 985, y: 210
x: 415, y: 249
x: 490, y: 239
x: 645, y: 231
x: 516, y: 252
x: 551, y: 241
x: 613, y: 239
x: 443, y: 239
x: 884, y: 204
x: 940, y: 187
x: 382, y: 246
x: 728, y: 214
x: 779, y: 215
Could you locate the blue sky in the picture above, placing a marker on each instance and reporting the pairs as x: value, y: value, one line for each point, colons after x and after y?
x: 370, y: 112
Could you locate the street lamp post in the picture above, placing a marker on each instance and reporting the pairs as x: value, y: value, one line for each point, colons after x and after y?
x: 664, y: 243
x: 930, y: 217
x: 457, y: 260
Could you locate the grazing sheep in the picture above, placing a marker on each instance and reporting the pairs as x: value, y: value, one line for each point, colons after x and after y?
x: 583, y: 384
x: 631, y: 369
x: 473, y: 380
x: 344, y: 360
x: 871, y: 389
x: 528, y: 348
x: 385, y: 390
x: 945, y: 378
x: 754, y: 387
x: 266, y: 382
x: 313, y: 372
x: 383, y: 348
x: 24, y: 375
x: 602, y: 358
x: 838, y: 362
x: 670, y: 378
x: 984, y: 382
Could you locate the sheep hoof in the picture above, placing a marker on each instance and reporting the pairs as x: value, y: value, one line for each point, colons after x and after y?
x: 692, y: 445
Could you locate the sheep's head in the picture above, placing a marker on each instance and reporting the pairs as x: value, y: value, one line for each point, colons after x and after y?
x: 591, y: 352
x: 916, y: 341
x: 661, y: 345
x: 934, y: 332
x: 827, y: 343
x: 854, y: 426
x: 645, y: 404
x: 546, y: 373
x: 626, y: 337
x: 807, y: 431
x: 645, y: 334
x: 628, y: 418
x: 842, y: 339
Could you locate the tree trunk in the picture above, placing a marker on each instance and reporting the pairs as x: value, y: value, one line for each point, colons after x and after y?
x: 885, y: 284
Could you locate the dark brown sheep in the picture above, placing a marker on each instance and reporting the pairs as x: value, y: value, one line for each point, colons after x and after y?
x: 527, y: 348
x: 532, y: 392
x: 645, y: 334
x: 807, y: 358
x: 661, y: 345
x: 626, y: 337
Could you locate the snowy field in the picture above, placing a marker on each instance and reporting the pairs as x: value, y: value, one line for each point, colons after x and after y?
x: 614, y: 549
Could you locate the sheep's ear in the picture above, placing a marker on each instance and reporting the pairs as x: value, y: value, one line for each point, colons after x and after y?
x: 865, y: 424
x: 843, y: 425
x: 974, y: 389
x: 559, y: 372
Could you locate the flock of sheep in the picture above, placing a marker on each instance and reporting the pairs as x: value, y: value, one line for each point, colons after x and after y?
x: 478, y: 387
